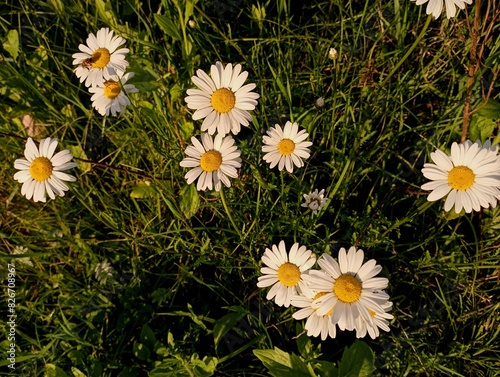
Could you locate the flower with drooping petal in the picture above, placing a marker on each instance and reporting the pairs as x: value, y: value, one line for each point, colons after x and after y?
x: 110, y: 98
x: 315, y: 200
x: 470, y: 176
x: 380, y: 321
x: 42, y: 171
x: 286, y: 273
x: 352, y: 289
x: 286, y: 147
x: 222, y: 100
x: 315, y: 324
x: 435, y: 7
x: 213, y: 161
x: 100, y: 59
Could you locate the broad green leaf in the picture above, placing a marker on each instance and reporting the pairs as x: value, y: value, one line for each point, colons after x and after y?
x: 283, y: 364
x: 52, y: 370
x: 187, y: 129
x: 141, y: 351
x: 167, y: 26
x: 148, y: 336
x: 226, y: 323
x: 205, y: 367
x: 357, y: 361
x: 491, y: 110
x: 481, y: 128
x: 11, y: 43
x: 175, y: 92
x: 189, y: 200
x: 77, y: 151
x: 142, y: 189
x: 77, y: 372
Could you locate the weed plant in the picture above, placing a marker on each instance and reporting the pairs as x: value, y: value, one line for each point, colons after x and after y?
x: 182, y: 298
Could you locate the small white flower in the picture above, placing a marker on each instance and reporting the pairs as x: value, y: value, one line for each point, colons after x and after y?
x: 212, y: 161
x: 286, y: 147
x: 103, y: 272
x: 315, y: 200
x: 22, y: 250
x: 435, y: 7
x: 286, y: 273
x: 109, y: 98
x: 470, y: 176
x: 100, y: 60
x: 42, y: 171
x: 332, y: 53
x: 222, y: 100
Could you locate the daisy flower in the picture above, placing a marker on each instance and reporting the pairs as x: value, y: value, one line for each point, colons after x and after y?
x: 470, y: 176
x: 222, y: 99
x: 380, y: 320
x: 286, y: 147
x: 350, y: 286
x: 315, y: 324
x: 100, y: 59
x: 212, y: 161
x: 110, y: 98
x: 42, y: 171
x: 286, y: 273
x: 315, y: 200
x: 435, y: 7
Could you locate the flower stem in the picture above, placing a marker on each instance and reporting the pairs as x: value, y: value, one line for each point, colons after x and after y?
x: 226, y: 208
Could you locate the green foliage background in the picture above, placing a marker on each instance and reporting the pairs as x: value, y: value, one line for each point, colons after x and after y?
x: 183, y: 300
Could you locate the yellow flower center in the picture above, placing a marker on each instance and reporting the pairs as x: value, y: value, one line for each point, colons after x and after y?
x: 347, y: 288
x: 461, y: 178
x: 41, y: 169
x: 288, y: 274
x: 101, y: 58
x: 318, y: 295
x: 223, y: 100
x: 286, y: 147
x: 112, y: 89
x: 211, y: 161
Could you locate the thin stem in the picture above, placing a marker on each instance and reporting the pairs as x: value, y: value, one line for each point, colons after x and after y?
x: 228, y: 213
x: 410, y: 50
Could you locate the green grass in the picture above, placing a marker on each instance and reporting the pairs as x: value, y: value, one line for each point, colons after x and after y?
x: 183, y: 267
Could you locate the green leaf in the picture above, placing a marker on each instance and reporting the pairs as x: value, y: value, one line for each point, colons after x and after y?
x: 357, y: 361
x: 77, y: 372
x: 481, y: 128
x: 167, y: 26
x: 491, y: 110
x: 189, y: 200
x: 52, y: 370
x: 142, y: 189
x: 77, y: 151
x: 175, y: 92
x: 283, y: 364
x: 11, y: 43
x: 226, y: 323
x: 187, y: 129
x: 141, y: 351
x: 148, y: 336
x: 205, y: 367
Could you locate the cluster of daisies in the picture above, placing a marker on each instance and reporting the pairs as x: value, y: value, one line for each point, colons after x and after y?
x: 344, y: 294
x: 101, y: 64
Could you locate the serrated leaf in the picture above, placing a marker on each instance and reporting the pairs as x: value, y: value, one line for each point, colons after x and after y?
x: 148, y: 336
x: 226, y: 323
x: 11, y: 43
x: 481, y: 128
x: 167, y: 26
x: 491, y: 110
x: 282, y: 364
x: 357, y: 361
x: 189, y: 200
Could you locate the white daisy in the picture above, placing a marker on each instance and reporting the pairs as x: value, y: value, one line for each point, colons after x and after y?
x: 110, y: 98
x: 100, y: 60
x: 380, y: 320
x: 352, y: 290
x: 212, y: 160
x: 286, y: 273
x: 286, y: 147
x: 222, y: 99
x: 22, y: 250
x: 470, y: 176
x: 103, y: 272
x: 42, y: 171
x: 315, y: 200
x: 315, y: 324
x: 435, y: 7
